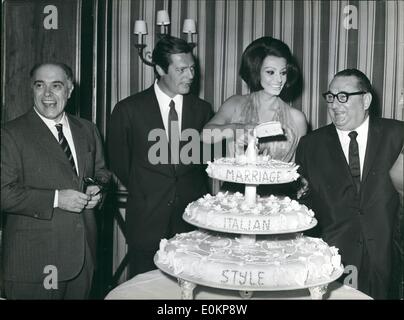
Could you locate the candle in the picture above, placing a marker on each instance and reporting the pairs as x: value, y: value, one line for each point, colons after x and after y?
x: 250, y: 191
x: 251, y: 152
x: 250, y: 194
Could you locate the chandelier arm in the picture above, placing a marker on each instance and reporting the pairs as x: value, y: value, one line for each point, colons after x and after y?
x: 140, y: 48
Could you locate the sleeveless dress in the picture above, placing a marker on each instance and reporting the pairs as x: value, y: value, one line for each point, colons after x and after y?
x: 280, y: 148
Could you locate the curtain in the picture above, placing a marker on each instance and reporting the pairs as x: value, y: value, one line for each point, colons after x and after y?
x: 324, y: 36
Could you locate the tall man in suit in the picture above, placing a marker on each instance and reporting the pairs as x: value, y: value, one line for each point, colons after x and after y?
x: 50, y: 231
x: 158, y: 192
x: 347, y: 166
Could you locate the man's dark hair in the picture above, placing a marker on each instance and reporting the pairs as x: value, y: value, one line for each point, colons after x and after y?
x: 165, y: 47
x: 68, y: 71
x: 255, y: 54
x: 363, y: 81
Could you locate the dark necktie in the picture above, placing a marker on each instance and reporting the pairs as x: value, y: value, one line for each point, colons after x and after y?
x: 65, y: 146
x: 354, y: 163
x: 173, y: 134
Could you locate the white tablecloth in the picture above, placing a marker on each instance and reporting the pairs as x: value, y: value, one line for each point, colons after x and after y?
x: 158, y: 285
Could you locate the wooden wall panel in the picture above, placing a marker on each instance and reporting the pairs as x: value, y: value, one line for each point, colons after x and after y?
x: 27, y: 42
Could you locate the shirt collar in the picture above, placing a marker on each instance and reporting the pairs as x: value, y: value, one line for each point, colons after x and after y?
x: 51, y: 123
x: 362, y: 130
x: 164, y: 99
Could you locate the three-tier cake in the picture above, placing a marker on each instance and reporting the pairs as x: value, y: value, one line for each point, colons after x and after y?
x: 247, y: 242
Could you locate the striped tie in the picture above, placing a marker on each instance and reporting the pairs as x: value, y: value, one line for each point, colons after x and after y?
x: 65, y: 146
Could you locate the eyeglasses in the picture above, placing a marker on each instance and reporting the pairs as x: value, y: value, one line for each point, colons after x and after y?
x: 341, y: 96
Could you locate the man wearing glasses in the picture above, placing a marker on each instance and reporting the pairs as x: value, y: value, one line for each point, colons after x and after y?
x: 347, y: 167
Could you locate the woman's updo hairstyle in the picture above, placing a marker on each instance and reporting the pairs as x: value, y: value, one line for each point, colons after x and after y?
x: 255, y: 54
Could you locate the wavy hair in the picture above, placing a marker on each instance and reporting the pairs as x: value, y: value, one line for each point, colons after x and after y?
x: 254, y: 56
x: 164, y: 48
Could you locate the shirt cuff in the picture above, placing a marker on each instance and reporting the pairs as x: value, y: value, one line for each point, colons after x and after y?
x: 56, y: 199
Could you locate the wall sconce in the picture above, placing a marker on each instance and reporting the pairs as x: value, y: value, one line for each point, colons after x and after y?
x: 140, y: 30
x: 190, y: 28
x: 163, y: 20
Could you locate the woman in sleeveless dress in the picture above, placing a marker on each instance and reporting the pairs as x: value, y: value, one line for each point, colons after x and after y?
x: 268, y: 69
x: 397, y: 175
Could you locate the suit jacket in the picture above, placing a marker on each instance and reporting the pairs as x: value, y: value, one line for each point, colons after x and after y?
x: 158, y: 193
x: 33, y: 166
x: 348, y: 220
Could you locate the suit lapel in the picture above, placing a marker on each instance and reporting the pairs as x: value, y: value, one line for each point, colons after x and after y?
x: 337, y: 154
x: 372, y: 145
x: 152, y: 110
x: 187, y: 114
x: 187, y: 122
x: 79, y: 140
x: 154, y: 120
x: 44, y: 136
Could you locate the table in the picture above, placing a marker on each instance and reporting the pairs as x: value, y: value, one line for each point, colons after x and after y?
x: 158, y: 285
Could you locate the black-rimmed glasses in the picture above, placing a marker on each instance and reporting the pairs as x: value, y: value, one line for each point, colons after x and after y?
x: 341, y: 96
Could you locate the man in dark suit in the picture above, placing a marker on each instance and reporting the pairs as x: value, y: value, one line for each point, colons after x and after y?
x: 347, y: 166
x: 50, y: 231
x: 158, y: 192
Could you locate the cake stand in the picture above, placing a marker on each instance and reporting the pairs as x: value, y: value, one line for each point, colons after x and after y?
x: 188, y: 282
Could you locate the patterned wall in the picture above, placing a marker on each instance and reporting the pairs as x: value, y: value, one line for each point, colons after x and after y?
x: 29, y: 36
x: 316, y: 32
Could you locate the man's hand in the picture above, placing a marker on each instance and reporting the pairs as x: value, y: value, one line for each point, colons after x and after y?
x: 304, y: 188
x: 95, y: 196
x: 72, y: 200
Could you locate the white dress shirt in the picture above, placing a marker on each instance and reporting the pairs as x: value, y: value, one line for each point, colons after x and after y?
x: 68, y: 135
x: 362, y: 140
x: 164, y: 104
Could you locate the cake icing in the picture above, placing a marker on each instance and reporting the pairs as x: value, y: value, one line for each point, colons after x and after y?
x: 268, y: 129
x: 230, y: 213
x: 248, y: 256
x: 263, y: 170
x: 269, y: 263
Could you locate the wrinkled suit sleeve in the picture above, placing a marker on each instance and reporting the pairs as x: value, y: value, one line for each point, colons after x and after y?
x: 102, y: 174
x: 119, y: 144
x: 16, y: 198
